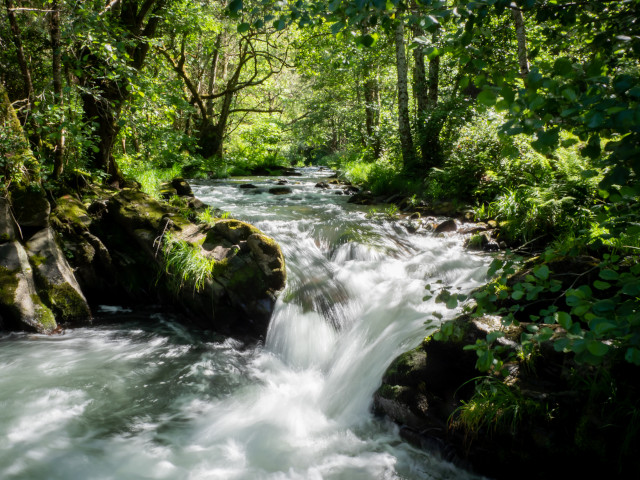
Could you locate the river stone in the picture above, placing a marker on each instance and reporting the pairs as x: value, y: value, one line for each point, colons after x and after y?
x: 31, y: 208
x: 20, y: 305
x: 182, y: 187
x: 280, y: 190
x: 269, y: 258
x: 231, y: 230
x: 7, y: 223
x: 449, y: 225
x: 55, y: 279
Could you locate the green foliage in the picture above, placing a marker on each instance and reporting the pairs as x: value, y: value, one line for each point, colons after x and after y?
x: 595, y: 317
x: 150, y: 178
x: 256, y: 144
x: 497, y: 407
x: 185, y: 264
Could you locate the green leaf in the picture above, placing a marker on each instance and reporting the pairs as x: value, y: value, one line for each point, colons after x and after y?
x: 517, y: 295
x: 487, y: 97
x: 603, y: 306
x: 235, y: 6
x: 564, y: 320
x: 632, y: 355
x: 542, y: 272
x: 336, y: 27
x: 632, y: 288
x: 243, y: 27
x: 279, y: 24
x: 600, y: 285
x: 597, y: 348
x: 608, y: 274
x: 563, y: 66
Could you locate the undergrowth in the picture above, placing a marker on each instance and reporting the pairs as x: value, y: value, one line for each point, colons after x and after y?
x: 185, y: 264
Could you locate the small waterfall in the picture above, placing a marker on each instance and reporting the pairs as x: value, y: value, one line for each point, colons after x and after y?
x: 155, y: 400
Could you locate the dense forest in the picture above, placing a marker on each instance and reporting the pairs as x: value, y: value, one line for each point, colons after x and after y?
x: 521, y: 114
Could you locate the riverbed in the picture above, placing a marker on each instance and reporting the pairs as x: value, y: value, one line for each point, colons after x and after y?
x: 141, y: 395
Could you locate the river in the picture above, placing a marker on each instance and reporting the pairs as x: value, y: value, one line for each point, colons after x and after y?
x: 141, y: 396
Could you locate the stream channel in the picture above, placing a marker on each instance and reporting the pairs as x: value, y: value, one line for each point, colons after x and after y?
x: 141, y: 396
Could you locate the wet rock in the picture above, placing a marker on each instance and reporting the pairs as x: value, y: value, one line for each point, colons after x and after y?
x: 282, y: 182
x: 479, y: 241
x: 363, y: 198
x: 31, y: 208
x: 55, y: 280
x: 449, y: 225
x: 247, y: 185
x: 323, y: 185
x: 182, y: 187
x: 167, y: 191
x: 72, y: 212
x: 491, y: 246
x: 474, y: 228
x: 338, y: 192
x: 280, y: 190
x: 20, y: 306
x: 350, y: 190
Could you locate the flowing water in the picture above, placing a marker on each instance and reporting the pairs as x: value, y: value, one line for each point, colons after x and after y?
x: 142, y: 396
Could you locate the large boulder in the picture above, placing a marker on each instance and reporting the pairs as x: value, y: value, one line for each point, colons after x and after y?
x: 20, y: 306
x: 55, y: 279
x: 248, y: 267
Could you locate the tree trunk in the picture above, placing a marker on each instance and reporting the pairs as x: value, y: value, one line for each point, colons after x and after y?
x: 213, y: 74
x: 56, y: 47
x: 103, y: 99
x: 16, y: 37
x: 521, y: 36
x: 404, y: 125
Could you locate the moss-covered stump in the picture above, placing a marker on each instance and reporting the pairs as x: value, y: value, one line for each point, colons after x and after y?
x: 20, y: 306
x: 55, y: 280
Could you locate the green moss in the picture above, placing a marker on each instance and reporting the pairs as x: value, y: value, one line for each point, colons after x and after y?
x: 71, y: 211
x: 233, y: 230
x: 67, y: 302
x: 43, y: 316
x: 390, y: 392
x: 37, y: 260
x: 247, y: 277
x: 8, y: 285
x: 5, y: 237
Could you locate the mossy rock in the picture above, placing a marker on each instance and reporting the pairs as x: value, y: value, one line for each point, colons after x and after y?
x: 71, y: 211
x: 31, y: 207
x: 20, y: 306
x: 232, y: 230
x: 55, y: 281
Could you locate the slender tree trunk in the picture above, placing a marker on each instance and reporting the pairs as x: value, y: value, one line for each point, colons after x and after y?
x: 56, y: 47
x: 404, y: 125
x: 16, y: 37
x: 434, y: 81
x: 521, y: 36
x: 213, y: 74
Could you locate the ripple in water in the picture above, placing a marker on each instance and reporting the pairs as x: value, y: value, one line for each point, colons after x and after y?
x: 151, y: 399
